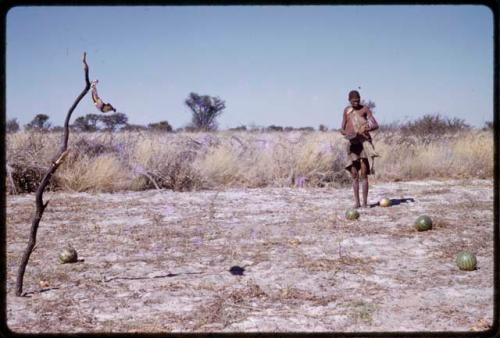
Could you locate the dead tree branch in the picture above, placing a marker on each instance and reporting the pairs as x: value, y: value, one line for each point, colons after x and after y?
x: 40, y: 205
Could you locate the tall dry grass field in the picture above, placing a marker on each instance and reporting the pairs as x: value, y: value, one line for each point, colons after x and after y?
x: 108, y: 162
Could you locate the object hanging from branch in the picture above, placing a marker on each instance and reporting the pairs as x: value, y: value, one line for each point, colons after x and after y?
x: 103, y: 107
x: 40, y: 205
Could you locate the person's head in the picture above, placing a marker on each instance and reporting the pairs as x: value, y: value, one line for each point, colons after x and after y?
x: 354, y: 98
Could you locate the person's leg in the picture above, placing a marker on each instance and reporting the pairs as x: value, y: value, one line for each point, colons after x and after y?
x: 364, y: 180
x: 355, y: 185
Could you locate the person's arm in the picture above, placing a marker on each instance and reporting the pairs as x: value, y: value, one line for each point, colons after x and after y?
x: 372, y: 123
x: 344, y: 122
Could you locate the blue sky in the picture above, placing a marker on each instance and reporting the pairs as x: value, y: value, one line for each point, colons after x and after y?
x: 282, y: 65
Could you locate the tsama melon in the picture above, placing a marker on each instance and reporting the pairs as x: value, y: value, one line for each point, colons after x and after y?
x: 352, y: 214
x: 385, y: 202
x: 68, y: 255
x: 423, y: 223
x: 466, y: 261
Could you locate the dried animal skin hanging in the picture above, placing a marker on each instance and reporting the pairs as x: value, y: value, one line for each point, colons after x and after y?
x: 103, y: 107
x: 358, y: 122
x: 360, y: 125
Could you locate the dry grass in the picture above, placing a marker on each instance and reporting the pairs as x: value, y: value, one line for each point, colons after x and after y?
x: 462, y: 155
x: 103, y: 173
x: 109, y: 162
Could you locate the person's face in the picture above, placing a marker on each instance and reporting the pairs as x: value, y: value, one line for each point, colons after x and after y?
x: 355, y: 101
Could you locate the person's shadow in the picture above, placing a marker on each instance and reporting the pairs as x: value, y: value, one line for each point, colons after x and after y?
x: 394, y: 201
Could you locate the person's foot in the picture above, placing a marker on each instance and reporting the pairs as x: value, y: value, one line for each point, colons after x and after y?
x: 356, y: 206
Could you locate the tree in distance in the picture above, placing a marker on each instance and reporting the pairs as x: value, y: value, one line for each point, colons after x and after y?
x: 370, y: 104
x: 323, y: 128
x: 114, y: 121
x: 40, y: 123
x: 87, y: 122
x: 12, y: 126
x: 205, y: 110
x: 488, y: 125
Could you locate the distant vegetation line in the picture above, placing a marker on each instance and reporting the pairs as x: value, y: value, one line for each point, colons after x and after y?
x: 206, y: 109
x: 430, y: 123
x: 107, y: 161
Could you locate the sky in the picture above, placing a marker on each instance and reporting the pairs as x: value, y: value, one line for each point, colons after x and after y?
x: 282, y: 65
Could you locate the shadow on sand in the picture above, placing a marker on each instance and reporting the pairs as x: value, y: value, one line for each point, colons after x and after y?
x: 394, y: 201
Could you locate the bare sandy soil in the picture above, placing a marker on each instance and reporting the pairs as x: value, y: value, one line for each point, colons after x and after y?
x: 158, y: 261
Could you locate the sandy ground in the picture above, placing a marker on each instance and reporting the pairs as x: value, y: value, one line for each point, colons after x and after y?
x: 158, y: 261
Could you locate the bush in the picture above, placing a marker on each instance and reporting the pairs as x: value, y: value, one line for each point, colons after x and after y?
x: 26, y: 178
x: 433, y: 125
x: 323, y: 128
x: 133, y: 127
x: 12, y: 126
x: 240, y: 128
x: 306, y: 129
x: 189, y: 129
x: 488, y: 125
x: 160, y: 126
x: 57, y: 129
x: 92, y: 147
x: 168, y: 161
x: 274, y: 128
x: 389, y: 127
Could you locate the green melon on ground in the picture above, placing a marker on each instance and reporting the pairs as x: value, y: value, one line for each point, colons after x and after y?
x: 423, y: 223
x: 352, y: 214
x: 466, y: 261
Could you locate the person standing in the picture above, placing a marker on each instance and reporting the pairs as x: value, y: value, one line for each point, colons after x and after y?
x: 357, y: 122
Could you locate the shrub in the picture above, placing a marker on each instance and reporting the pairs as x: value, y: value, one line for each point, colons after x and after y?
x: 239, y: 128
x: 488, y: 125
x: 160, y: 126
x: 433, y: 125
x: 57, y: 129
x: 389, y: 127
x: 12, y: 126
x: 133, y: 127
x: 168, y: 161
x: 306, y: 129
x: 274, y: 128
x: 26, y: 178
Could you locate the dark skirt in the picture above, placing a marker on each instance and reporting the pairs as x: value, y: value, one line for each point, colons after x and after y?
x: 355, y: 154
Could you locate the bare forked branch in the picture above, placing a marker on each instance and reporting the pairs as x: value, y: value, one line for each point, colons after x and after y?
x: 40, y: 205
